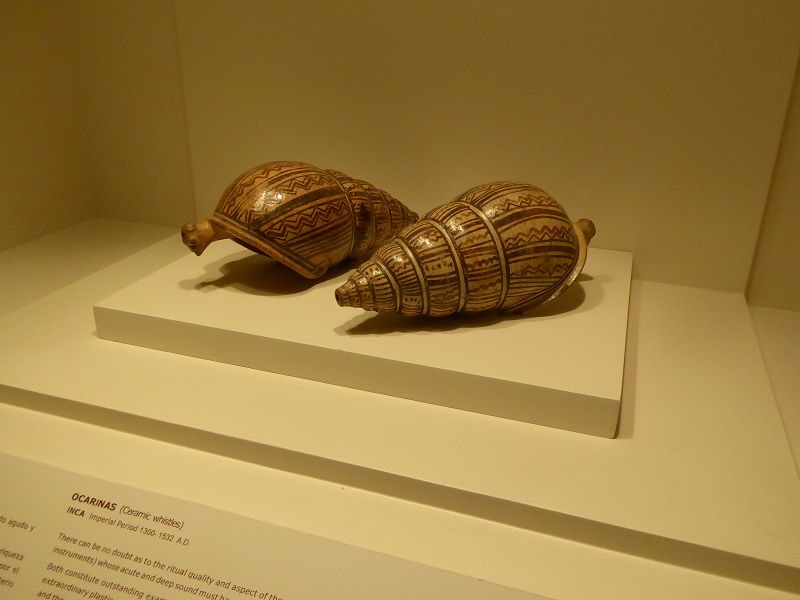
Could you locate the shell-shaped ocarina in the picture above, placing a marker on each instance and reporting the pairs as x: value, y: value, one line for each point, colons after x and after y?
x: 307, y: 218
x: 503, y: 245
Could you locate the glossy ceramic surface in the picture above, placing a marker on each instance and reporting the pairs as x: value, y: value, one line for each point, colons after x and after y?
x: 503, y: 245
x: 307, y: 218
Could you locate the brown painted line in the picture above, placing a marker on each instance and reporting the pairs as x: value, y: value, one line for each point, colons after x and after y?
x: 501, y: 251
x: 265, y: 245
x: 351, y: 208
x: 392, y: 281
x: 462, y: 282
x: 426, y: 301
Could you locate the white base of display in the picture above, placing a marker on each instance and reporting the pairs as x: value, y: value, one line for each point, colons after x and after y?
x: 560, y: 365
x: 698, y: 497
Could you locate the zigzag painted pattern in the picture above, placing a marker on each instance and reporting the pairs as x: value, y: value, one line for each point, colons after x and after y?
x: 499, y: 245
x: 545, y: 233
x: 542, y: 270
x: 306, y: 183
x: 308, y: 218
x: 245, y: 183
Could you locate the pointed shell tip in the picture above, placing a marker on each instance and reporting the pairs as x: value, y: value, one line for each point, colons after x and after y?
x: 347, y: 295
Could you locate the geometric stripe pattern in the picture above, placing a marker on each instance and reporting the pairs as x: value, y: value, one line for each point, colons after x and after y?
x: 308, y: 218
x: 502, y: 245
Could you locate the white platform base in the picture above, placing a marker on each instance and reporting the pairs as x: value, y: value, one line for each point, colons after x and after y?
x: 559, y: 366
x: 698, y: 497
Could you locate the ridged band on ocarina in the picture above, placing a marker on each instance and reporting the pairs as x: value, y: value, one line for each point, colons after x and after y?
x: 307, y: 218
x: 503, y: 245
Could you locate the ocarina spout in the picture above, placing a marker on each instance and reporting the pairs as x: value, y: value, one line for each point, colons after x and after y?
x: 587, y: 229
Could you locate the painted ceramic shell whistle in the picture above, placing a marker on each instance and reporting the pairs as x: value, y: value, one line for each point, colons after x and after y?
x: 307, y: 218
x: 500, y: 246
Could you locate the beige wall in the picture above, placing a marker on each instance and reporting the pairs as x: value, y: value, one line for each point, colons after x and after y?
x: 91, y: 116
x: 135, y: 118
x: 659, y: 121
x: 44, y: 179
x: 775, y: 277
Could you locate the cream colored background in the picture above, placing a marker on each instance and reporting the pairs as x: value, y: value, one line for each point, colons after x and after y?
x: 775, y: 276
x: 660, y: 121
x: 44, y: 176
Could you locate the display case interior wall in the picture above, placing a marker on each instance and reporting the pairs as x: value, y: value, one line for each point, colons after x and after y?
x: 669, y: 125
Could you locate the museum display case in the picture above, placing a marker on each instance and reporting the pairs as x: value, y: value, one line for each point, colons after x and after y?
x: 635, y: 437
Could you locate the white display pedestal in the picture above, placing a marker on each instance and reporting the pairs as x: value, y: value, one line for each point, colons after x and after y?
x: 560, y: 365
x: 697, y: 497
